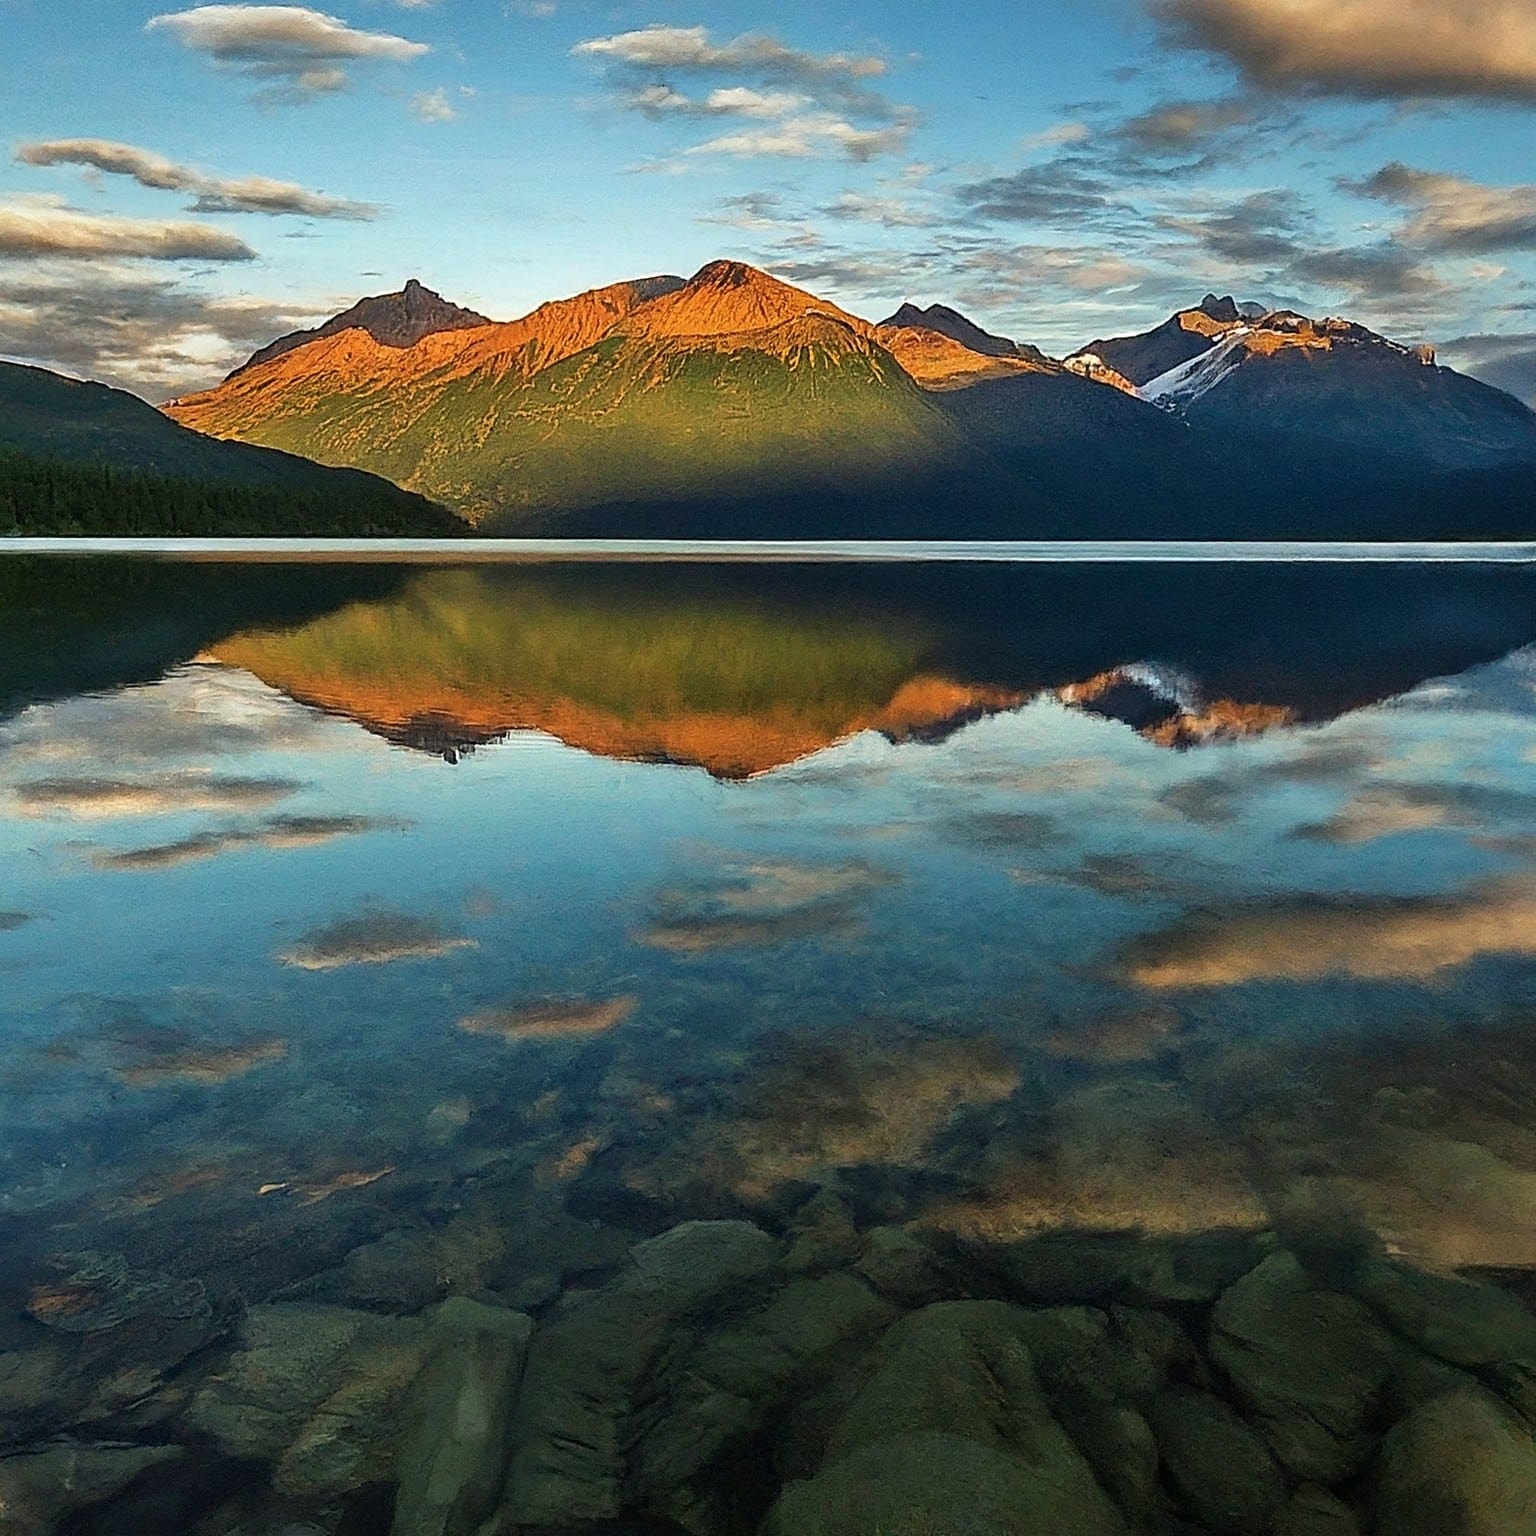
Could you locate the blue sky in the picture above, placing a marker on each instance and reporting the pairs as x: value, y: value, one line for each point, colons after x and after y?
x: 179, y: 185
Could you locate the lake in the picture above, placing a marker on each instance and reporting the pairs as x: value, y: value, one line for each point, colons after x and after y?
x: 638, y: 1046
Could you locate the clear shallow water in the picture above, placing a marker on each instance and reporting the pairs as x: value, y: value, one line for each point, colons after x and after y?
x: 378, y: 935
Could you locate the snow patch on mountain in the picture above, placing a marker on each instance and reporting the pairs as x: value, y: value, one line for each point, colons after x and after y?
x: 1187, y: 382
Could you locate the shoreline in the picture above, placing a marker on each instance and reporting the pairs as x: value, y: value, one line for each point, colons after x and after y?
x: 830, y: 551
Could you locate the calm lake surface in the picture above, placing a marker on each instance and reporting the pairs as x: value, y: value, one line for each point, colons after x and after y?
x: 1141, y: 954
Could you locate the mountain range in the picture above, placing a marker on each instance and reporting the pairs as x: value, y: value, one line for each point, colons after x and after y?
x: 733, y: 404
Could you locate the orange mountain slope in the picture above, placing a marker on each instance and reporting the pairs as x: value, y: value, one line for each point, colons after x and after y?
x: 732, y: 385
x: 938, y: 361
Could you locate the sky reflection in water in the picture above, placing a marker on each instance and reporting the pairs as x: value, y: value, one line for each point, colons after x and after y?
x: 913, y: 913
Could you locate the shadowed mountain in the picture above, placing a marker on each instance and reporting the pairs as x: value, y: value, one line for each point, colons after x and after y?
x: 392, y: 319
x: 1102, y: 456
x: 77, y: 456
x: 88, y: 624
x: 1187, y: 334
x: 1281, y: 375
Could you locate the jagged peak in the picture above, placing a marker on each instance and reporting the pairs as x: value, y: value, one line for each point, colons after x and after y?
x: 396, y: 320
x: 1223, y: 309
x: 942, y: 320
x: 731, y: 274
x: 957, y: 327
x: 731, y: 298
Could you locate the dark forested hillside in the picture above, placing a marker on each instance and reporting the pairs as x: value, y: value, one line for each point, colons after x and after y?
x: 81, y: 458
x: 42, y: 495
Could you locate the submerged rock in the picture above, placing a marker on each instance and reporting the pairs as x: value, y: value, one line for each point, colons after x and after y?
x: 738, y: 1382
x: 1070, y: 1266
x: 1155, y: 1335
x: 587, y: 1368
x: 964, y: 1369
x: 822, y: 1236
x: 316, y: 1391
x: 1098, y: 1390
x: 40, y: 1489
x: 697, y: 1261
x: 1310, y: 1366
x: 931, y: 1483
x: 38, y: 1391
x: 454, y: 1458
x: 1462, y: 1465
x: 900, y: 1267
x: 96, y: 1293
x: 117, y: 1334
x: 1313, y: 1511
x: 1461, y: 1321
x: 1223, y: 1471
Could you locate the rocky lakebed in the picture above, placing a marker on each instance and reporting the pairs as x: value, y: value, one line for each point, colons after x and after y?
x: 804, y: 1375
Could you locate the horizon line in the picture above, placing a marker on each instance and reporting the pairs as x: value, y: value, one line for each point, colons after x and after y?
x: 792, y: 551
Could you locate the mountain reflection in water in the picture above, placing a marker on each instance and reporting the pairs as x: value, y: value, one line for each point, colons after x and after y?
x: 740, y: 670
x: 1139, y: 940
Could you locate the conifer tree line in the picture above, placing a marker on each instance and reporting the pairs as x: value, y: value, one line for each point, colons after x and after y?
x: 49, y: 496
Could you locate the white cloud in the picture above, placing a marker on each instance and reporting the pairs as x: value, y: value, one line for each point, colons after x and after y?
x: 803, y: 137
x: 210, y: 194
x: 792, y: 103
x: 433, y: 107
x: 691, y: 48
x: 302, y: 52
x: 888, y: 212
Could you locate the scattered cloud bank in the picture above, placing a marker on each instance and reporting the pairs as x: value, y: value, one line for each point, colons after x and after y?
x: 762, y: 905
x: 433, y: 107
x: 32, y: 230
x: 550, y: 1020
x: 1452, y: 214
x: 132, y: 329
x: 692, y: 49
x: 782, y: 101
x: 209, y: 194
x: 1410, y: 938
x: 295, y: 51
x: 1387, y: 810
x: 1383, y: 49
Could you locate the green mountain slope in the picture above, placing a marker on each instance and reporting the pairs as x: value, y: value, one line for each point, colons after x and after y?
x: 733, y: 403
x: 805, y: 411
